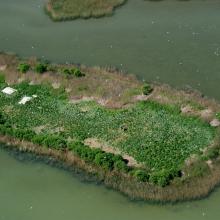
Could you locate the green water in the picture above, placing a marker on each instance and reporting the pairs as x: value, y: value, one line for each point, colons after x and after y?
x: 168, y: 41
x: 176, y: 42
x: 31, y: 190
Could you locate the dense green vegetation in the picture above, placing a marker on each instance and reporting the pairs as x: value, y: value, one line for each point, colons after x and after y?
x: 44, y: 67
x: 73, y: 72
x: 23, y: 67
x: 72, y: 9
x: 147, y: 89
x: 41, y: 68
x: 156, y: 136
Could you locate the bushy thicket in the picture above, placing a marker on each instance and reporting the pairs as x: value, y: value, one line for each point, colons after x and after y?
x: 73, y: 72
x: 41, y: 67
x: 23, y: 67
x: 107, y: 161
x: 2, y: 78
x: 147, y: 89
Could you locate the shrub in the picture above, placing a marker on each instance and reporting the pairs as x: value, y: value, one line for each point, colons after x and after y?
x: 23, y: 67
x: 38, y: 139
x: 23, y: 134
x: 147, y: 89
x: 105, y: 160
x: 66, y: 71
x: 108, y: 161
x: 2, y: 78
x: 55, y: 141
x: 121, y: 165
x: 41, y: 68
x: 161, y: 178
x: 141, y: 175
x: 77, y: 73
x: 2, y: 119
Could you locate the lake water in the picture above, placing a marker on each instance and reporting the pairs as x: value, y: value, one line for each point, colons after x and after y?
x: 169, y: 41
x: 33, y: 190
x: 176, y: 42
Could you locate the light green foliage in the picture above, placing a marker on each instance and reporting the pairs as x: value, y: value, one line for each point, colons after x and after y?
x: 156, y: 135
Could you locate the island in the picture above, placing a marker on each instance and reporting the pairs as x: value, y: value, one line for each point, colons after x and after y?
x: 61, y: 10
x: 148, y: 141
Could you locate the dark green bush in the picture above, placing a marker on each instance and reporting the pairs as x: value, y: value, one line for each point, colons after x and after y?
x: 23, y: 67
x: 66, y: 71
x: 55, y: 141
x: 161, y: 178
x: 74, y: 72
x: 77, y: 73
x: 2, y: 78
x: 141, y: 175
x: 121, y: 165
x: 41, y: 68
x: 105, y: 160
x: 38, y: 139
x: 147, y: 89
x: 24, y: 134
x: 2, y: 119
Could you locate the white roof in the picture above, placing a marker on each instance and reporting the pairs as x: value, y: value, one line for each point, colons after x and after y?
x: 9, y: 90
x: 24, y: 100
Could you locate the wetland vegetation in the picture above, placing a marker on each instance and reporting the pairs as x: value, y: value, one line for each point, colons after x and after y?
x: 72, y: 9
x: 159, y: 138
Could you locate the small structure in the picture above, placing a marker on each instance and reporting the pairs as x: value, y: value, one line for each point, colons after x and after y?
x: 9, y: 90
x: 24, y: 100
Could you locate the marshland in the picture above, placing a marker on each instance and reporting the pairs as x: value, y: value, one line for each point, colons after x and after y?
x: 134, y: 111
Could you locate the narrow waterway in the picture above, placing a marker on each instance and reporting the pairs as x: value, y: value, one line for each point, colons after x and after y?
x: 169, y: 41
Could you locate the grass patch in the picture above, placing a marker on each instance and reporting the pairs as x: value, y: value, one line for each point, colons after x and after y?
x: 72, y: 9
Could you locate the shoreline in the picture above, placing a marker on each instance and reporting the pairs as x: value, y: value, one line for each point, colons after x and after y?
x: 125, y: 185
